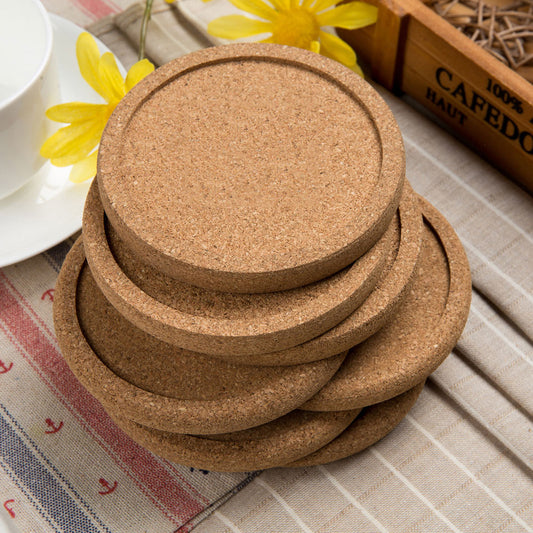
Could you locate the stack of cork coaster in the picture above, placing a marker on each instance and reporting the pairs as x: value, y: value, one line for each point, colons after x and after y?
x: 257, y: 285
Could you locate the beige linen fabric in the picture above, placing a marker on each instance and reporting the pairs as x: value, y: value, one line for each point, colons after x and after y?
x: 463, y: 458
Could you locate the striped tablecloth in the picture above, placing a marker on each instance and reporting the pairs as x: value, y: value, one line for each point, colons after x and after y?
x: 461, y: 461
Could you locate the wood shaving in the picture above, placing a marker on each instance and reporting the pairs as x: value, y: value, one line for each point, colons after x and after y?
x: 503, y: 28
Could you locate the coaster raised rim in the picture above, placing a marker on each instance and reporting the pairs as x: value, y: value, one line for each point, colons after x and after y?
x: 371, y: 425
x: 374, y: 312
x: 240, y: 451
x: 345, y: 391
x: 199, y: 416
x: 287, y: 326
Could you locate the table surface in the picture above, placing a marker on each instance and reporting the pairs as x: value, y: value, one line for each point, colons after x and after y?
x: 462, y: 460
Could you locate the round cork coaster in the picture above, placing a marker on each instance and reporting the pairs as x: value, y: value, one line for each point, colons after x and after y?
x: 288, y: 438
x: 214, y: 322
x: 374, y: 423
x: 421, y: 334
x: 251, y: 168
x: 396, y: 278
x: 160, y: 385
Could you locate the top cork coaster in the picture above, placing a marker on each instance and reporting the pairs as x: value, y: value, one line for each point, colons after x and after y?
x: 251, y: 168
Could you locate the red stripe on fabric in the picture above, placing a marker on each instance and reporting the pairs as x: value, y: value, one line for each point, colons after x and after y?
x: 97, y: 9
x: 172, y: 468
x: 48, y: 358
x: 29, y: 309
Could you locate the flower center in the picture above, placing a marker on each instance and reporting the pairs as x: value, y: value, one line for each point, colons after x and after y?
x: 296, y: 27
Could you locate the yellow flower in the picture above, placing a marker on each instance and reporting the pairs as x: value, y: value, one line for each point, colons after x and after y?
x: 298, y: 23
x: 75, y: 144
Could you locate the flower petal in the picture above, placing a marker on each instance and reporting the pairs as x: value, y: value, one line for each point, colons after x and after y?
x: 84, y: 169
x: 76, y: 112
x: 256, y: 7
x: 137, y: 72
x: 88, y: 59
x: 110, y: 78
x: 72, y: 143
x: 315, y: 47
x: 357, y: 69
x: 335, y: 48
x: 320, y: 5
x: 280, y: 5
x: 237, y: 26
x: 349, y: 16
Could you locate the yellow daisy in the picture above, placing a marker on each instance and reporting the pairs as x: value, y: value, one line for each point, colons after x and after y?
x: 298, y: 23
x: 75, y: 144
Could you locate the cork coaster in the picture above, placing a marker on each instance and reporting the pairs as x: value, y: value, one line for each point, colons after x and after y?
x: 251, y: 168
x: 396, y: 278
x: 288, y: 438
x: 374, y: 423
x: 163, y: 386
x: 214, y: 322
x: 419, y: 337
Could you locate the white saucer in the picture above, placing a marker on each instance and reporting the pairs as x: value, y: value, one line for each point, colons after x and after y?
x: 49, y: 208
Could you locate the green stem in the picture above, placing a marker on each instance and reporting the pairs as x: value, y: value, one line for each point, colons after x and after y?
x: 144, y: 27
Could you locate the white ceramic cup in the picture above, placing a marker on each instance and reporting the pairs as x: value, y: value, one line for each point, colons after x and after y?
x: 28, y: 86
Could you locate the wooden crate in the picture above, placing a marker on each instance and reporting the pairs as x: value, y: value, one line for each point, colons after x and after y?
x: 411, y: 49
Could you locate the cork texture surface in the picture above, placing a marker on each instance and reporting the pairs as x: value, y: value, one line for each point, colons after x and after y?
x: 215, y: 322
x: 251, y: 168
x: 421, y: 334
x: 160, y: 385
x: 295, y: 435
x: 396, y: 278
x: 374, y: 423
